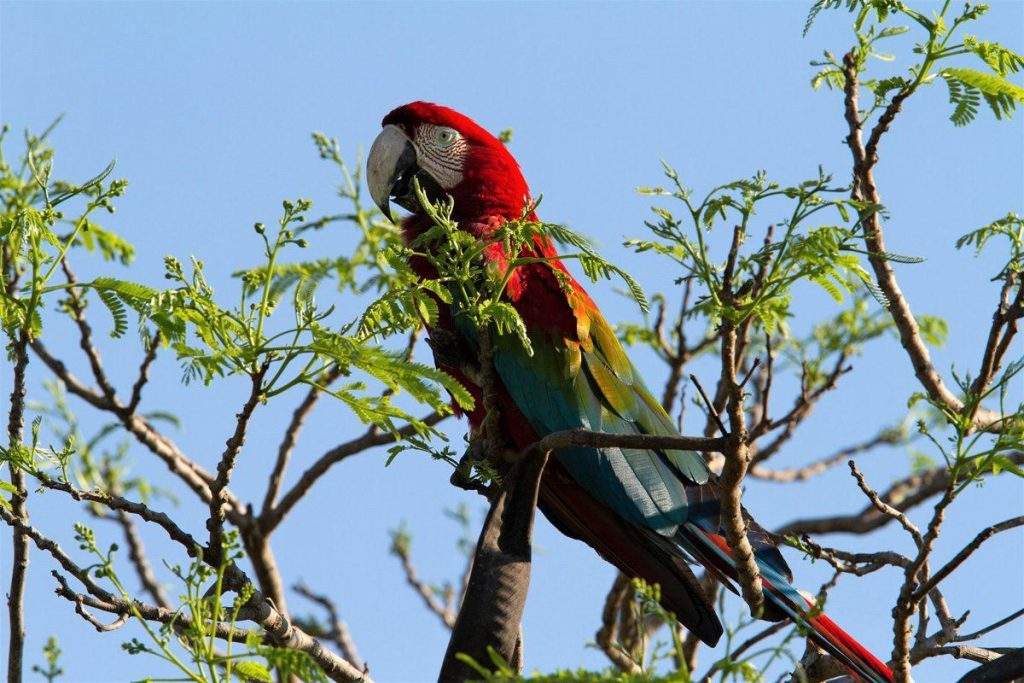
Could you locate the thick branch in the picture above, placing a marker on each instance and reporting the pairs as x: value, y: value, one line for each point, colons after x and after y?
x: 737, y: 460
x: 572, y: 438
x: 492, y: 609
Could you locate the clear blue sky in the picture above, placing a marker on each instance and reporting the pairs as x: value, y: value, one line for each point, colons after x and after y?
x: 208, y: 109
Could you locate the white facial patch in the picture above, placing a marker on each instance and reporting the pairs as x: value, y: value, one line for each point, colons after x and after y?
x: 441, y: 152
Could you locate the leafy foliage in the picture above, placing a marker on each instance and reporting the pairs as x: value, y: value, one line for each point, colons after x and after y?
x: 190, y: 646
x: 1012, y: 228
x: 967, y: 87
x: 472, y: 285
x: 825, y: 254
x: 51, y: 653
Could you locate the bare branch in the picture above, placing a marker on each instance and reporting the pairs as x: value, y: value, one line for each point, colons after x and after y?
x: 291, y: 434
x: 607, y: 636
x: 140, y: 382
x: 1002, y: 331
x: 572, y: 438
x: 711, y: 407
x: 801, y: 410
x: 233, y: 446
x: 443, y: 610
x: 137, y: 555
x: 119, y: 503
x: 19, y: 511
x: 737, y: 460
x: 903, y: 495
x: 77, y: 309
x: 885, y: 437
x: 372, y: 437
x: 991, y: 627
x: 121, y: 620
x: 190, y: 472
x: 965, y: 553
x: 884, y: 507
x: 864, y: 189
x: 279, y: 631
x: 339, y: 633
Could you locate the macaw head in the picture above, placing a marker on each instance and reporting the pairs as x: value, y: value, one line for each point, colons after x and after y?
x: 449, y: 154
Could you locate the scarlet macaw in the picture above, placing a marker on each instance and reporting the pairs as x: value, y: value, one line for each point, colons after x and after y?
x: 647, y: 512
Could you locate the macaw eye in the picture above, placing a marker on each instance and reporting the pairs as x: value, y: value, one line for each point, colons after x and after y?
x: 445, y: 136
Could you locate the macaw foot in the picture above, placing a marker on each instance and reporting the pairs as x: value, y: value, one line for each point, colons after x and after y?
x: 464, y: 476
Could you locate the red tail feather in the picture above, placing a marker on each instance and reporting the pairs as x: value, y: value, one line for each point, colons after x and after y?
x: 830, y: 629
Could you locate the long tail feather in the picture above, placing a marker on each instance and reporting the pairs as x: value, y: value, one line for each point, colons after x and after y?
x: 713, y: 550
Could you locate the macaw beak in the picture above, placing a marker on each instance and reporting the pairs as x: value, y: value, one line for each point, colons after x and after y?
x: 390, y: 169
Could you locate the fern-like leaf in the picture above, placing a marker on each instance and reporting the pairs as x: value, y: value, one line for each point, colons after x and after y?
x: 117, y: 311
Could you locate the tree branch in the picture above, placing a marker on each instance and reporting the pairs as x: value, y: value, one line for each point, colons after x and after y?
x: 291, y: 434
x: 190, y: 472
x: 902, y: 495
x: 373, y: 437
x: 887, y: 437
x: 338, y: 633
x: 233, y: 446
x: 864, y: 189
x: 965, y: 553
x: 19, y: 510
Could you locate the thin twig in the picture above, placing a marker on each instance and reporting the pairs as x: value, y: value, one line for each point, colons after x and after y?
x: 137, y: 555
x: 902, y: 495
x: 884, y: 507
x: 77, y: 309
x: 712, y: 412
x: 885, y: 437
x: 372, y: 437
x: 140, y: 382
x: 291, y: 434
x: 233, y: 446
x: 339, y: 633
x: 965, y: 553
x: 19, y: 511
x: 441, y: 610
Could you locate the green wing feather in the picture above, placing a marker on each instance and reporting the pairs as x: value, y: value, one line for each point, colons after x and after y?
x: 591, y: 384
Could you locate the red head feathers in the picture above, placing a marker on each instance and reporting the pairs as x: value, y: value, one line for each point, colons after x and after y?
x: 450, y: 151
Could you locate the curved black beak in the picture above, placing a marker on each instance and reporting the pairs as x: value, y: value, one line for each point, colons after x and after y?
x: 390, y: 168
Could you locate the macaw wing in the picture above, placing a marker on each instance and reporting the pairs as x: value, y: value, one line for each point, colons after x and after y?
x: 592, y: 385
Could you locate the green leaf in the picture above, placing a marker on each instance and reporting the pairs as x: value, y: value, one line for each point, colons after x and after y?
x: 248, y: 670
x: 1001, y: 95
x: 117, y: 311
x: 1000, y: 59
